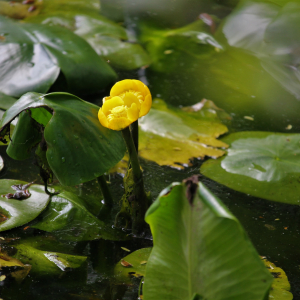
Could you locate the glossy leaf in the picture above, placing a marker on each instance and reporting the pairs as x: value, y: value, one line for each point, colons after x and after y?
x: 198, y: 246
x: 262, y: 164
x: 68, y: 217
x: 47, y: 263
x: 74, y: 125
x: 171, y: 136
x: 108, y: 39
x: 1, y: 163
x: 41, y: 52
x: 13, y: 212
x: 138, y: 259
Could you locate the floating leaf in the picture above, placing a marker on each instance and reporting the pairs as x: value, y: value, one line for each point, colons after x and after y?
x: 68, y: 218
x: 280, y: 289
x: 41, y: 52
x: 19, y: 10
x: 198, y: 246
x: 171, y: 136
x: 108, y: 39
x: 14, y: 213
x: 45, y: 262
x: 74, y: 125
x: 17, y: 269
x: 123, y: 275
x: 262, y: 164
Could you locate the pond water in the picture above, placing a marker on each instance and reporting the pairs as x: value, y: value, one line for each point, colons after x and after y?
x: 256, y: 86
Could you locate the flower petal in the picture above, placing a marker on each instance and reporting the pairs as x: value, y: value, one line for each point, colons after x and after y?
x: 130, y: 98
x: 111, y: 103
x: 119, y: 123
x: 133, y: 113
x: 146, y: 105
x: 102, y: 118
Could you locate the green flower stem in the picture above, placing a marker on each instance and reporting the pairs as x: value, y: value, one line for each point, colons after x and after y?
x: 135, y: 134
x: 108, y: 200
x: 134, y: 160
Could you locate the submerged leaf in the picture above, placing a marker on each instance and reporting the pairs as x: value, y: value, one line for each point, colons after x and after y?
x: 171, y: 136
x: 199, y: 246
x: 262, y: 164
x: 14, y: 213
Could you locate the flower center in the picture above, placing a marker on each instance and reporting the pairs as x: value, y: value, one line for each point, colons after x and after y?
x: 119, y: 111
x: 135, y: 93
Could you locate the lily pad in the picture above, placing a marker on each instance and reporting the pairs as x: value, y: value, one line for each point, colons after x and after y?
x: 79, y: 149
x: 138, y: 259
x: 171, y: 136
x: 42, y: 52
x: 262, y: 164
x: 69, y: 219
x: 19, y: 10
x: 108, y: 39
x: 281, y: 287
x: 14, y: 213
x: 45, y: 262
x: 198, y: 246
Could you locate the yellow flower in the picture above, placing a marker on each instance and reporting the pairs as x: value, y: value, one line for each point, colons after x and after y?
x: 128, y: 101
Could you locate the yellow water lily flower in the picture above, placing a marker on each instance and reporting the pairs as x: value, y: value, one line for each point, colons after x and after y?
x: 129, y: 100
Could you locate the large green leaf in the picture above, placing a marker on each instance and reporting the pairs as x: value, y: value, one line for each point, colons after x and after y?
x: 6, y: 101
x: 262, y: 164
x: 171, y: 136
x: 41, y: 52
x: 108, y: 39
x: 68, y: 218
x: 200, y: 248
x: 78, y: 147
x: 15, y: 212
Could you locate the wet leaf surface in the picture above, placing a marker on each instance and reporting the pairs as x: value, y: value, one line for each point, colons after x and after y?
x: 41, y: 52
x: 107, y: 38
x: 17, y: 212
x: 171, y: 136
x: 262, y: 164
x: 69, y: 219
x: 47, y: 263
x: 74, y: 125
x: 200, y: 241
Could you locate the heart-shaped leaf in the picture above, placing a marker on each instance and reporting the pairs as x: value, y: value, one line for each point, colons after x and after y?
x: 79, y: 149
x: 171, y: 136
x: 41, y: 52
x: 262, y: 164
x: 14, y: 212
x: 198, y: 246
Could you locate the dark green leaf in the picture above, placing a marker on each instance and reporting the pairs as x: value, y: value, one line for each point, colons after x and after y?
x: 68, y: 217
x: 79, y: 149
x: 13, y: 212
x: 108, y: 39
x: 25, y: 136
x: 41, y: 52
x: 198, y: 246
x: 262, y: 164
